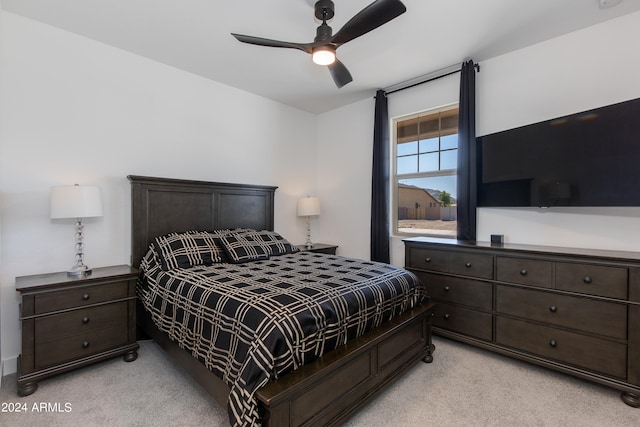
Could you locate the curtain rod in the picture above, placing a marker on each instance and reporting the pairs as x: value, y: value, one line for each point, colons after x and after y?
x: 444, y: 72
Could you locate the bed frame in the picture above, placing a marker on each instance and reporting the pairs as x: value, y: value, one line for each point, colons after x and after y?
x: 325, y: 392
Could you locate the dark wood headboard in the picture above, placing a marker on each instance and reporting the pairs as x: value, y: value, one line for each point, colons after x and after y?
x: 163, y: 205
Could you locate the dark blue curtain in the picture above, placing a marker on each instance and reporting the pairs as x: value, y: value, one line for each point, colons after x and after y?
x: 467, y: 169
x: 380, y: 182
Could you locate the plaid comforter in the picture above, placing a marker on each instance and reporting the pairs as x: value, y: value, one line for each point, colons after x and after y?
x: 251, y: 323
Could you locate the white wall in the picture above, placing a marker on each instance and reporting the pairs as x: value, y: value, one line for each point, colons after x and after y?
x: 344, y: 157
x: 77, y: 111
x: 586, y: 69
x: 589, y: 68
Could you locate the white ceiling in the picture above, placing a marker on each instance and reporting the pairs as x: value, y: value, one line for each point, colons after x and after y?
x: 194, y: 35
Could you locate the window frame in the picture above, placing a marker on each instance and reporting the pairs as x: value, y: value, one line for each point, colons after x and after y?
x: 394, y: 173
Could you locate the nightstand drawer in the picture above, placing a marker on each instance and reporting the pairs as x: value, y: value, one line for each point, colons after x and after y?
x: 82, y: 321
x: 464, y: 321
x: 80, y: 345
x: 592, y: 279
x: 525, y: 271
x: 457, y: 290
x: 321, y: 248
x: 79, y: 296
x: 588, y: 352
x: 331, y: 250
x: 589, y: 315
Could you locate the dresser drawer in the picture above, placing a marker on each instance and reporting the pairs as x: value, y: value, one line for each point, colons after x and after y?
x: 464, y: 321
x: 457, y: 290
x: 525, y: 271
x: 592, y: 353
x: 592, y: 279
x: 474, y: 265
x: 463, y: 263
x: 79, y: 296
x: 598, y: 317
x: 82, y: 321
x: 428, y: 259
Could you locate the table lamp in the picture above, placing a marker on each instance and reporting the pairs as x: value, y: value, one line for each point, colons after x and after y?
x: 309, y: 206
x: 76, y: 201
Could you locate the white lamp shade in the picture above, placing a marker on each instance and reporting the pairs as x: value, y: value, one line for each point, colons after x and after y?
x: 75, y: 201
x: 308, y: 206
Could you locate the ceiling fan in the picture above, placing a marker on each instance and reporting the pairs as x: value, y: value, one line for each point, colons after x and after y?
x: 323, y: 48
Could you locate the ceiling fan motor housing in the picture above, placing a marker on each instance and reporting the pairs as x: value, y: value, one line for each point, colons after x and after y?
x: 325, y: 9
x: 323, y: 32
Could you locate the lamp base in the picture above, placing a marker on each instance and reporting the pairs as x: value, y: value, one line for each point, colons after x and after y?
x: 308, y: 244
x: 79, y: 270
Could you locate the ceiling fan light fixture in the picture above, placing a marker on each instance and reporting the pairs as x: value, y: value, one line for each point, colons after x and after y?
x: 324, y: 55
x: 323, y: 48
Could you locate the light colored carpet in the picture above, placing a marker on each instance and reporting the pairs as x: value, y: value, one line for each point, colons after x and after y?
x: 464, y: 386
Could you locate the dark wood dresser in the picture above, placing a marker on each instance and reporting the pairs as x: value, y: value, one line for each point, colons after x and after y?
x: 72, y: 321
x: 573, y: 310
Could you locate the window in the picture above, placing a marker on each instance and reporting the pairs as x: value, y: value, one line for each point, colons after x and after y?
x: 425, y: 168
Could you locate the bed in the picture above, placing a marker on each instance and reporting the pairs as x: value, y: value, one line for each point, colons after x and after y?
x: 274, y: 377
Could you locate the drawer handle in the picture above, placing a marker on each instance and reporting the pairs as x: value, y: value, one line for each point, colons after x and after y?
x: 447, y: 316
x: 587, y: 280
x: 447, y: 289
x: 85, y: 297
x: 553, y: 309
x: 523, y: 272
x: 85, y: 320
x: 553, y: 343
x: 467, y: 264
x: 427, y: 260
x: 85, y: 344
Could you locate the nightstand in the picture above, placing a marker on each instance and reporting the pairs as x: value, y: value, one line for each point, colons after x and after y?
x: 319, y: 247
x: 72, y: 321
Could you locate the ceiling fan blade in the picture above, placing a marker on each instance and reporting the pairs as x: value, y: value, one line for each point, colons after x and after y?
x: 341, y: 76
x: 305, y: 47
x: 371, y: 17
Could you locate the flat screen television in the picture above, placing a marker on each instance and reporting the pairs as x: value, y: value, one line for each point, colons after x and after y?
x: 585, y: 159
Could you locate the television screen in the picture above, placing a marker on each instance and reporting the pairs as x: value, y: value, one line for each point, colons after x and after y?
x: 585, y: 159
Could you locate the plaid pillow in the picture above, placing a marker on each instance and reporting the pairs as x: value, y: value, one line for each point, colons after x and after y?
x: 243, y: 248
x: 273, y: 242
x: 188, y: 249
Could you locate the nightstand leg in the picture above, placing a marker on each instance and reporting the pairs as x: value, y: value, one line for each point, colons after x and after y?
x: 130, y: 356
x: 631, y: 399
x: 25, y: 389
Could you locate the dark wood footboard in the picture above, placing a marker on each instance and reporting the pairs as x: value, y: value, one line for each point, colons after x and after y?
x: 333, y: 387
